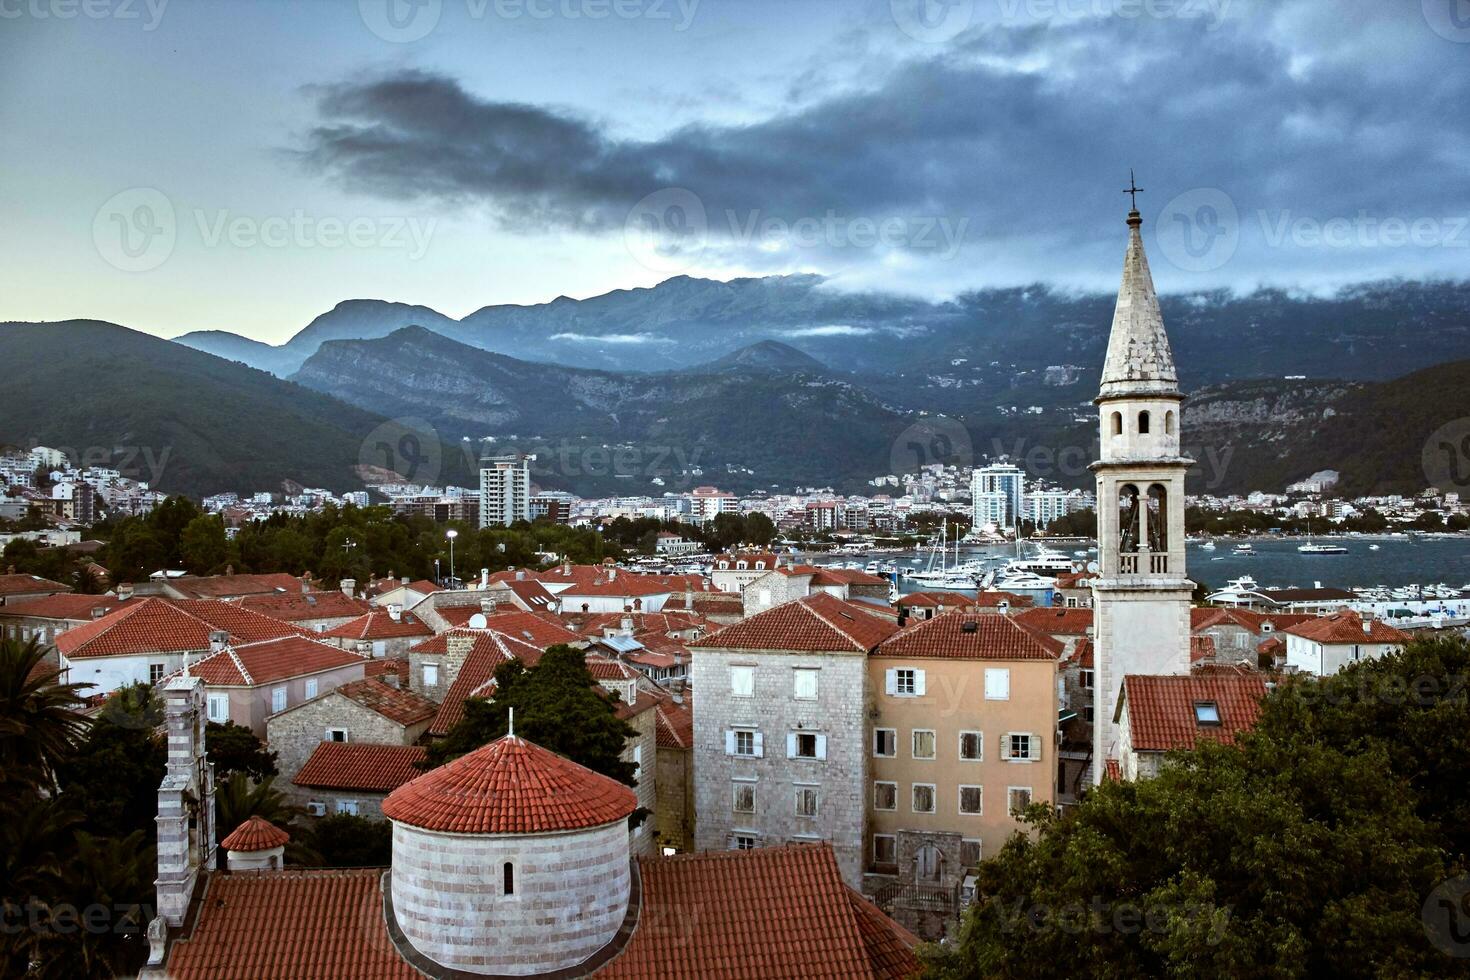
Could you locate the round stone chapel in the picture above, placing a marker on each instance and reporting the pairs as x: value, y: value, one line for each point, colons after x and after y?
x: 510, y: 861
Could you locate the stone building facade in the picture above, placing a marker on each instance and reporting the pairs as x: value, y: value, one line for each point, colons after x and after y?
x: 295, y: 733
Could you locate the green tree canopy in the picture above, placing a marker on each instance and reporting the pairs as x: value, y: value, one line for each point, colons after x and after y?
x: 234, y: 748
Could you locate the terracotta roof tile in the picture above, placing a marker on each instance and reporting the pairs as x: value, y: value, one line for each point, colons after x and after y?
x: 233, y: 586
x: 384, y: 667
x: 1347, y: 627
x: 380, y: 625
x: 395, y: 704
x: 22, y: 584
x: 295, y: 607
x: 255, y: 834
x: 1201, y: 648
x: 510, y: 786
x: 491, y: 648
x: 253, y: 664
x: 64, y: 605
x: 1057, y: 620
x: 153, y: 624
x: 769, y: 912
x: 1081, y: 654
x: 1161, y: 709
x: 360, y: 766
x: 674, y: 725
x: 815, y: 623
x: 284, y: 925
x: 970, y: 636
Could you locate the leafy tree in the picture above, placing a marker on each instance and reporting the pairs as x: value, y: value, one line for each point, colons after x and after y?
x: 725, y: 531
x: 346, y: 841
x: 759, y: 529
x: 234, y: 748
x: 558, y: 706
x: 114, y: 773
x: 1307, y: 849
x: 203, y: 547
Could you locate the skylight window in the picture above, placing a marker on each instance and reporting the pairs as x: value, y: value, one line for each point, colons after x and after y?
x: 1206, y: 713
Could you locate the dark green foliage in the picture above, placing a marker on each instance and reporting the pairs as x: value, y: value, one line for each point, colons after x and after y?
x: 1308, y: 850
x: 234, y: 748
x: 114, y: 774
x: 557, y: 705
x: 345, y: 841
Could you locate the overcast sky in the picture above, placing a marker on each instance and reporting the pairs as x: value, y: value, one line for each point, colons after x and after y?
x: 246, y: 165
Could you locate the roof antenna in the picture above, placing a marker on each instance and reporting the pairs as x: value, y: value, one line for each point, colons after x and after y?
x: 512, y: 732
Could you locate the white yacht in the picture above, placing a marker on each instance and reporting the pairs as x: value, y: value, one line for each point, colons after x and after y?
x: 1207, y: 546
x: 944, y: 577
x: 1244, y: 549
x: 1311, y: 548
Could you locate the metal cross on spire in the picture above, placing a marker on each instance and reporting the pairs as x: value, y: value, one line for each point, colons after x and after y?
x: 1133, y: 190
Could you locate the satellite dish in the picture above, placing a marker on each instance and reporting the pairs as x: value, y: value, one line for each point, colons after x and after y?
x: 1092, y: 566
x: 477, y: 621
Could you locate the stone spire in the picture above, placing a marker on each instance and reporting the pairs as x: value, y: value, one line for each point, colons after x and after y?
x: 1139, y: 361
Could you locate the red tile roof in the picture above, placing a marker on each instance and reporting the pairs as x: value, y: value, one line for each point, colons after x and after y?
x: 1201, y: 648
x: 674, y: 725
x: 253, y: 664
x: 491, y: 648
x: 325, y: 924
x: 818, y: 622
x: 666, y: 621
x: 22, y: 584
x: 380, y: 625
x: 1057, y: 620
x: 845, y: 576
x: 1081, y: 654
x: 154, y: 624
x: 1161, y: 709
x: 510, y: 786
x: 1347, y: 627
x: 1112, y: 771
x: 361, y: 766
x: 384, y: 667
x: 64, y: 606
x: 255, y: 834
x: 395, y: 704
x: 970, y: 636
x: 231, y: 586
x: 422, y: 586
x: 769, y: 912
x: 298, y: 606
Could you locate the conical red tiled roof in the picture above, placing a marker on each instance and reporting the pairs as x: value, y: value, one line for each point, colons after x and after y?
x: 510, y: 787
x: 255, y: 834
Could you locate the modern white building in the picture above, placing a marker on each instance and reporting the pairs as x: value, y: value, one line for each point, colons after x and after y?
x: 1045, y: 506
x: 998, y: 492
x: 1141, y: 594
x: 505, y: 489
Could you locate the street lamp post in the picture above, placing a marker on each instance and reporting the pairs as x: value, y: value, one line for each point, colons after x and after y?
x: 451, y: 534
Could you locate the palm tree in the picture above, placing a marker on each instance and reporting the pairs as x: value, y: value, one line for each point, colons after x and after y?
x: 36, y: 844
x: 40, y: 719
x: 237, y: 799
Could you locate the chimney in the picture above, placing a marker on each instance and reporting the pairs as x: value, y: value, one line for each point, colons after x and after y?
x: 218, y: 640
x: 457, y: 647
x: 98, y: 612
x: 484, y: 578
x: 349, y: 586
x: 403, y: 580
x: 612, y: 574
x: 520, y: 575
x: 626, y: 625
x: 305, y: 582
x: 186, y: 839
x: 229, y: 569
x: 676, y: 689
x: 124, y: 590
x: 395, y: 612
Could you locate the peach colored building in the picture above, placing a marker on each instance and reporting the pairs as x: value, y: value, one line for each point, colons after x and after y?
x: 962, y: 732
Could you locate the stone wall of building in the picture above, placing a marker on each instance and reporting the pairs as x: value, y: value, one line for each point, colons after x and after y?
x: 369, y: 805
x: 674, y: 809
x: 570, y: 896
x: 772, y: 589
x: 294, y: 734
x: 641, y: 839
x: 841, y: 778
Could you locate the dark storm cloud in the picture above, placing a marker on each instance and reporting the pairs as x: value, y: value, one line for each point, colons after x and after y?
x: 1023, y: 133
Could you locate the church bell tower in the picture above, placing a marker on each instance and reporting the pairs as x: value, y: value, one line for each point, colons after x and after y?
x: 1141, y: 595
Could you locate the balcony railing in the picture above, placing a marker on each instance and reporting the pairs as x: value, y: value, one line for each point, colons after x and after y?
x: 1127, y: 564
x: 921, y: 898
x: 1158, y: 564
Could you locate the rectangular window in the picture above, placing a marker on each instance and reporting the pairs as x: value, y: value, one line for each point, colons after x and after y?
x: 743, y: 742
x: 997, y: 683
x: 923, y: 743
x: 1018, y: 798
x: 806, y: 801
x: 347, y: 806
x: 431, y: 675
x: 1087, y: 680
x: 336, y: 735
x: 885, y: 796
x: 804, y: 684
x: 923, y: 798
x: 907, y: 682
x: 1020, y: 747
x: 972, y: 800
x: 885, y: 742
x: 1087, y: 713
x: 744, y: 798
x: 806, y: 745
x: 155, y: 673
x: 742, y: 682
x: 278, y: 699
x: 310, y: 687
x: 742, y: 842
x: 218, y: 708
x: 972, y: 746
x: 970, y: 852
x: 885, y: 849
x: 637, y: 761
